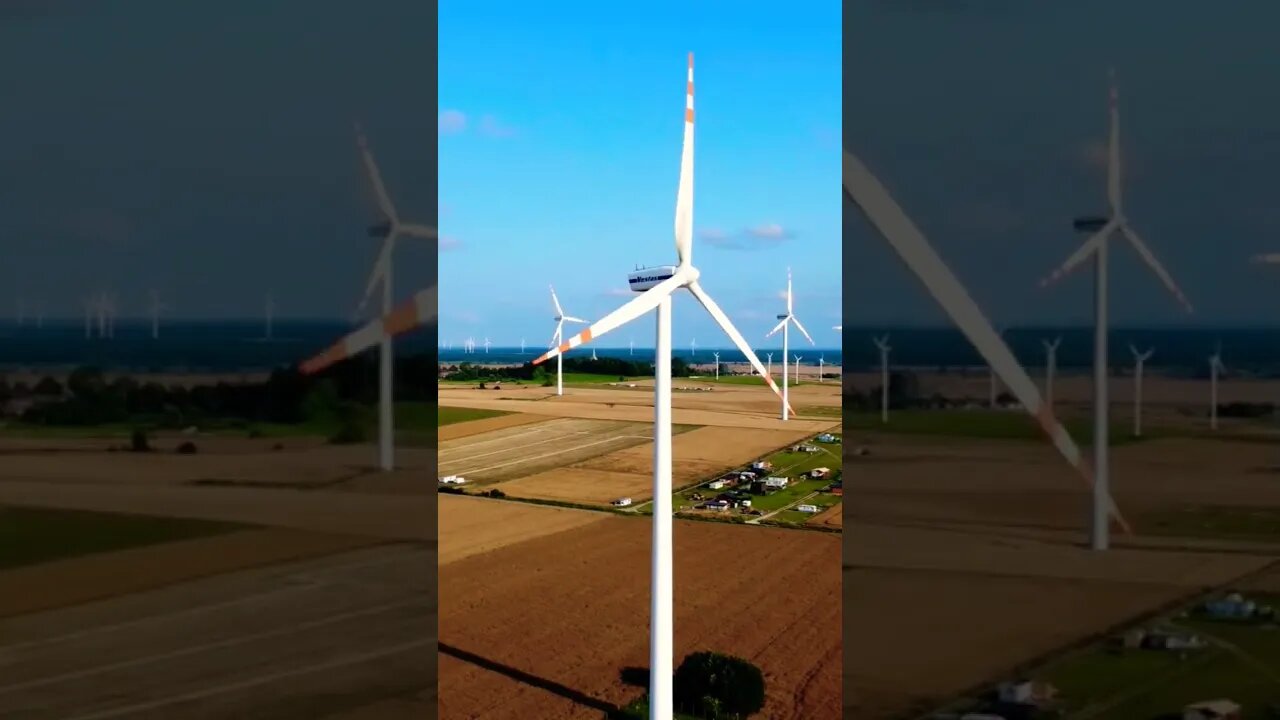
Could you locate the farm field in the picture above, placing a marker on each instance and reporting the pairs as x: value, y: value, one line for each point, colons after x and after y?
x: 569, y: 664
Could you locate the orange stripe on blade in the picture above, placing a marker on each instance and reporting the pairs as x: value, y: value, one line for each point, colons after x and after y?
x: 688, y: 115
x: 334, y: 354
x: 402, y: 319
x: 586, y: 335
x: 690, y: 87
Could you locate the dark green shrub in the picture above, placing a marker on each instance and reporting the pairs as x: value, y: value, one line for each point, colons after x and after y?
x: 718, y: 686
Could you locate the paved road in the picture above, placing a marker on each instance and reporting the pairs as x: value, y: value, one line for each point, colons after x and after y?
x: 348, y: 636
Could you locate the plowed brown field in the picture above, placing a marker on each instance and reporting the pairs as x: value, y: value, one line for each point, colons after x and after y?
x: 543, y: 627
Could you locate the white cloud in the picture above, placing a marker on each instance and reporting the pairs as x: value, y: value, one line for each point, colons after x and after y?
x: 752, y: 238
x: 491, y: 127
x: 617, y: 292
x: 769, y: 231
x: 452, y: 122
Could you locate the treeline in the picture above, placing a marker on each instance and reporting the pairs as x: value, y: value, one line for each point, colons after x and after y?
x: 340, y: 394
x: 546, y: 372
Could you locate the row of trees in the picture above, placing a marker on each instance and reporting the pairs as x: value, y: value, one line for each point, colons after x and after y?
x: 340, y: 394
x: 546, y: 373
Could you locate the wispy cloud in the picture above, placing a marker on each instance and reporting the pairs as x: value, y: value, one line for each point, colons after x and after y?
x: 490, y: 126
x: 617, y: 293
x: 467, y: 316
x: 448, y: 242
x: 452, y: 122
x: 753, y: 238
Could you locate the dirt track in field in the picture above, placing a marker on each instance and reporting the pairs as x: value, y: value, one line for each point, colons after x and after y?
x: 543, y: 627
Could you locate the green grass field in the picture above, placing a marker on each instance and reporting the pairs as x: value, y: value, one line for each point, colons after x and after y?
x: 1258, y: 524
x: 981, y: 423
x: 786, y: 464
x: 1242, y: 664
x: 35, y: 535
x: 451, y: 415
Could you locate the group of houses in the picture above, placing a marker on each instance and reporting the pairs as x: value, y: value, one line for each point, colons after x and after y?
x: 1025, y: 699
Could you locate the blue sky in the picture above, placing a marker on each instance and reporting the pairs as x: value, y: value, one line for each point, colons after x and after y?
x: 559, y: 153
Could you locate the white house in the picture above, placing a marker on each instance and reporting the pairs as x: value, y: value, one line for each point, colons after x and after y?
x: 717, y: 484
x: 621, y: 502
x: 775, y: 482
x: 819, y: 472
x: 761, y: 465
x: 807, y: 508
x: 453, y: 480
x: 1212, y: 710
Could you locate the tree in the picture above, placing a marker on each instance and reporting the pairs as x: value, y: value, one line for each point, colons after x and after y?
x: 48, y: 387
x: 719, y: 686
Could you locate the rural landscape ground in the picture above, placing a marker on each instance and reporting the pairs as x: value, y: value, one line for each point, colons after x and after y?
x: 965, y: 558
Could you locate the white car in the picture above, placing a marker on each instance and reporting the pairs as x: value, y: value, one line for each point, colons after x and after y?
x: 621, y: 502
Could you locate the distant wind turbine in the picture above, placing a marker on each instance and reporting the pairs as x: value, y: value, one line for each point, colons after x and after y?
x: 1215, y: 367
x: 883, y: 344
x: 156, y: 307
x: 717, y: 357
x: 1139, y: 360
x: 1051, y: 349
x: 797, y: 359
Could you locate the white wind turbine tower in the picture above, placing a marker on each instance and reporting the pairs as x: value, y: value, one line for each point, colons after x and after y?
x: 693, y: 347
x: 558, y: 339
x: 268, y: 317
x: 769, y: 368
x: 1215, y: 367
x: 797, y: 366
x: 593, y: 354
x: 1096, y: 247
x: 657, y: 295
x: 1139, y: 361
x: 1051, y: 366
x: 784, y: 321
x: 486, y: 346
x: 884, y: 214
x: 632, y: 345
x: 156, y: 307
x: 820, y: 364
x: 717, y: 357
x: 521, y: 346
x: 883, y: 344
x: 991, y: 383
x: 383, y: 270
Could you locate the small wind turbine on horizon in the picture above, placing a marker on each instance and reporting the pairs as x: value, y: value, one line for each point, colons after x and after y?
x: 558, y: 338
x: 632, y: 351
x: 883, y: 344
x: 991, y: 382
x: 717, y: 357
x: 268, y: 317
x: 785, y: 320
x: 797, y: 358
x: 522, y: 346
x: 486, y: 346
x: 693, y: 347
x: 1139, y: 361
x: 820, y: 363
x: 769, y: 368
x: 1215, y: 367
x: 1051, y: 366
x: 1096, y: 247
x: 156, y: 307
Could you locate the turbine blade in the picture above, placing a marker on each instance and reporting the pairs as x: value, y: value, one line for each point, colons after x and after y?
x: 1081, y: 254
x: 630, y: 311
x: 871, y: 197
x: 417, y: 311
x: 800, y: 327
x: 556, y: 301
x: 371, y: 169
x: 381, y: 267
x: 684, y: 195
x: 777, y: 327
x: 570, y: 318
x: 725, y: 324
x: 1150, y: 258
x: 418, y: 231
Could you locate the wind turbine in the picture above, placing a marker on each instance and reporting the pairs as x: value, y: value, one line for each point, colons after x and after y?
x: 797, y: 358
x: 883, y: 344
x: 869, y: 195
x: 820, y: 364
x: 717, y: 356
x: 1051, y: 350
x: 658, y: 297
x: 1215, y: 367
x: 784, y: 321
x: 632, y: 351
x: 769, y: 369
x: 693, y: 347
x: 991, y: 384
x: 1139, y: 360
x: 268, y: 316
x: 415, y: 312
x: 593, y: 354
x: 486, y: 346
x: 521, y: 346
x: 156, y: 307
x: 558, y: 338
x: 1096, y: 247
x: 390, y: 229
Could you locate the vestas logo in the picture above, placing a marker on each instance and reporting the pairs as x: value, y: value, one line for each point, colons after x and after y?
x: 649, y: 278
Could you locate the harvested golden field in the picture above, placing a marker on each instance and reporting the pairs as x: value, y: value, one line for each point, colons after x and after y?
x: 581, y: 485
x: 524, y: 450
x: 484, y: 425
x: 474, y: 526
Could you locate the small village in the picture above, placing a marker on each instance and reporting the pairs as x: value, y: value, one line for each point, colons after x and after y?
x: 1227, y: 642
